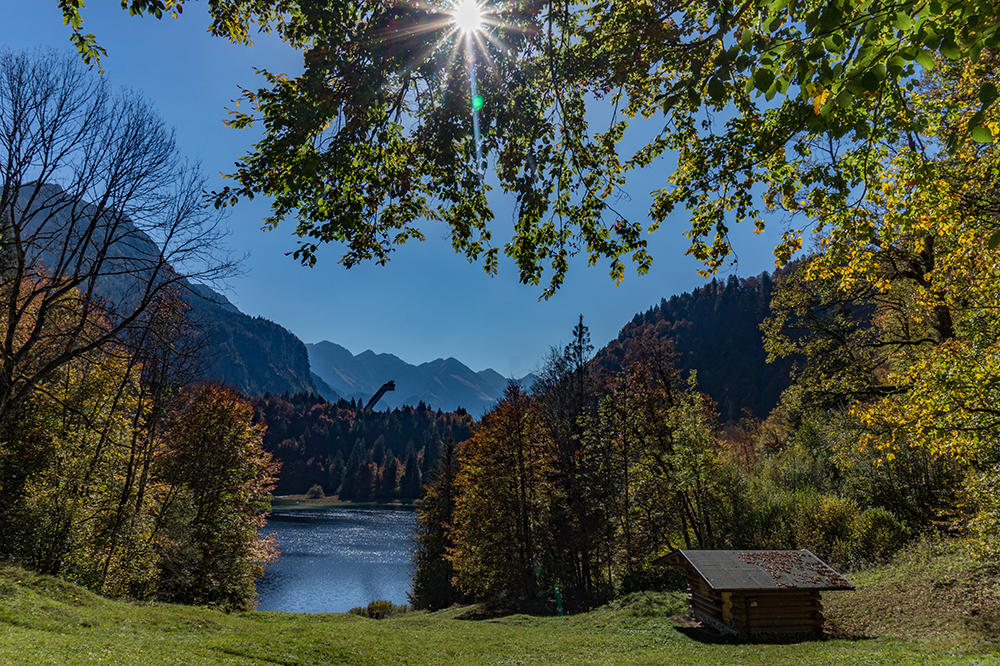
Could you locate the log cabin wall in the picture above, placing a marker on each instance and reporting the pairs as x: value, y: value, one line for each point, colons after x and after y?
x: 706, y: 604
x: 749, y: 613
x: 776, y: 612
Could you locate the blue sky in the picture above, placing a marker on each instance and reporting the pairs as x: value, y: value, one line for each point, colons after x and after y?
x: 427, y: 302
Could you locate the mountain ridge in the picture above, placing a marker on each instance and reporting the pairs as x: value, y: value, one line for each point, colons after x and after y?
x: 443, y: 383
x: 252, y: 354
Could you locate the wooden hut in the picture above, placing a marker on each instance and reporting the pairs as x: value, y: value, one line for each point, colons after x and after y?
x: 757, y: 593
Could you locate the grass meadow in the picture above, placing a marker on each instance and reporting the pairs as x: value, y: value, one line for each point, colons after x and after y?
x: 934, y: 605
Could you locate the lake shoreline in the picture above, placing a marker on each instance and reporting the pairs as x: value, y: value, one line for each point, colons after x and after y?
x: 302, y: 503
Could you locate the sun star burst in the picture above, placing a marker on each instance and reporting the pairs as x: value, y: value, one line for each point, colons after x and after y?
x: 467, y: 16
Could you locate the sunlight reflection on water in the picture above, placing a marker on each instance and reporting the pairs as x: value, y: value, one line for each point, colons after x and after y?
x: 337, y: 558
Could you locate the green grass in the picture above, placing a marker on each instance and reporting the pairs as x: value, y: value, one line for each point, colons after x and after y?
x: 919, y: 611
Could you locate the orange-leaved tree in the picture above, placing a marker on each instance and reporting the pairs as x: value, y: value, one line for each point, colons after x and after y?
x: 220, y: 478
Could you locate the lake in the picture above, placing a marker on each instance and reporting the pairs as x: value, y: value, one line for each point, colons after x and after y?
x: 334, y: 559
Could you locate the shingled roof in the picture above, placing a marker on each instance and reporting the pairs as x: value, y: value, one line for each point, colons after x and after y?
x: 726, y: 570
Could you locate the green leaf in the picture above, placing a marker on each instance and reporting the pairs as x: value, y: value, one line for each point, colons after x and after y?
x: 903, y: 21
x: 988, y: 93
x: 870, y: 82
x: 716, y: 89
x: 762, y: 79
x: 845, y: 100
x: 835, y: 42
x: 925, y: 59
x: 982, y: 134
x: 951, y: 143
x: 950, y: 50
x: 994, y: 241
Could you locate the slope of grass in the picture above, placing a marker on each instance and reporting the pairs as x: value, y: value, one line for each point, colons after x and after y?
x: 47, y: 621
x: 934, y: 594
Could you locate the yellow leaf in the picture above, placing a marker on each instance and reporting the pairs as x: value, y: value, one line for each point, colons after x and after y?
x: 820, y: 99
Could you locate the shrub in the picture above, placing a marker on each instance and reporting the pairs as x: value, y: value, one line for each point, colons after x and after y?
x: 876, y: 535
x: 982, y: 495
x: 823, y: 523
x: 379, y: 610
x: 316, y: 492
x: 650, y: 604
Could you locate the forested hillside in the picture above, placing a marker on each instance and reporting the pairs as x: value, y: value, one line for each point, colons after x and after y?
x: 354, y: 453
x: 251, y: 354
x: 715, y: 330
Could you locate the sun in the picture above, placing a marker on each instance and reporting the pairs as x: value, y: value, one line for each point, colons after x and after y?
x: 467, y: 16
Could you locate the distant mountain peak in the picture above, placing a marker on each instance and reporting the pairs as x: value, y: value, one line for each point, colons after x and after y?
x: 444, y: 383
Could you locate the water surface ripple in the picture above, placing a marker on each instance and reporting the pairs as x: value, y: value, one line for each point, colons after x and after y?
x: 334, y: 559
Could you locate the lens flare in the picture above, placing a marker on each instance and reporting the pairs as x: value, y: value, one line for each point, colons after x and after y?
x: 467, y: 16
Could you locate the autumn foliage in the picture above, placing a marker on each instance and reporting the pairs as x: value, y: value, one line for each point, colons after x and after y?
x: 118, y: 470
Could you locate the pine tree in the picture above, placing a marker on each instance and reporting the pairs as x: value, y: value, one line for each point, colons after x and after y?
x: 378, y: 450
x: 409, y: 485
x: 350, y: 484
x: 432, y: 569
x: 389, y: 475
x: 566, y: 391
x: 335, y: 470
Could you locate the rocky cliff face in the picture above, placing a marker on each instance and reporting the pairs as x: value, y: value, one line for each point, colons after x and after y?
x: 253, y: 354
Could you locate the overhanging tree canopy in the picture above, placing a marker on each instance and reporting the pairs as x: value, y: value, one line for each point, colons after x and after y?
x: 767, y: 105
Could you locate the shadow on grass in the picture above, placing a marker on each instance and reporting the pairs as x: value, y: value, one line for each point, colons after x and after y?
x: 706, y: 636
x: 492, y: 610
